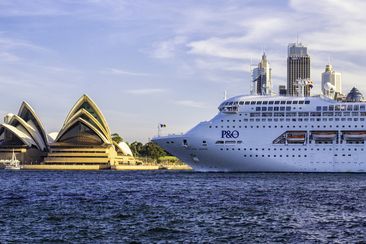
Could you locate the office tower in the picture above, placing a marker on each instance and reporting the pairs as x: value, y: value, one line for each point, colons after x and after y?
x: 282, y: 90
x: 262, y: 78
x: 331, y: 82
x: 298, y: 70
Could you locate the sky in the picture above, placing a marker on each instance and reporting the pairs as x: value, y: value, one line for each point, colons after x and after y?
x: 147, y: 62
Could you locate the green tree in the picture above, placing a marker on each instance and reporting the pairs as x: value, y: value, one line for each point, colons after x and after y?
x: 152, y: 150
x: 116, y: 138
x: 136, y: 148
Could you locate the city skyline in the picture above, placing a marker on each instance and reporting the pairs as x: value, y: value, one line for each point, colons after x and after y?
x: 164, y: 62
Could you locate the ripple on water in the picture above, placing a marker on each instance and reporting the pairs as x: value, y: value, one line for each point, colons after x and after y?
x: 181, y: 207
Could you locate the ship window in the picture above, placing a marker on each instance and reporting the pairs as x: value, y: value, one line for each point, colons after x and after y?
x: 230, y: 103
x: 259, y: 102
x: 252, y: 102
x: 288, y: 108
x: 349, y: 107
x: 307, y: 102
x: 346, y: 113
x: 267, y: 114
x: 276, y: 108
x: 303, y: 114
x: 254, y: 114
x: 354, y: 113
x: 270, y: 108
x: 325, y: 108
x: 265, y: 102
x: 270, y: 102
x: 229, y: 142
x: 362, y: 107
x: 247, y: 103
x: 301, y: 102
x: 282, y: 108
x: 257, y: 108
x: 294, y: 102
x: 277, y: 102
x: 264, y: 108
x: 356, y: 107
x: 283, y: 102
x: 343, y: 108
x: 318, y: 108
x: 279, y: 114
x: 288, y: 102
x: 241, y: 103
x: 331, y: 107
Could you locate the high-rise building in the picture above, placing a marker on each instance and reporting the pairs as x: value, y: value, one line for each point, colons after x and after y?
x: 282, y: 90
x: 331, y: 82
x: 298, y: 70
x: 262, y: 78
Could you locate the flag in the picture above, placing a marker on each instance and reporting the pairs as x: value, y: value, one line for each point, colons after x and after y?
x: 162, y: 125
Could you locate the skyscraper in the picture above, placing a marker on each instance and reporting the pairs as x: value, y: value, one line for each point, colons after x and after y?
x: 282, y: 91
x: 298, y: 70
x: 262, y: 78
x: 331, y: 82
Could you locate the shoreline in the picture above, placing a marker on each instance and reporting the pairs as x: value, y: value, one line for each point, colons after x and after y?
x: 104, y: 167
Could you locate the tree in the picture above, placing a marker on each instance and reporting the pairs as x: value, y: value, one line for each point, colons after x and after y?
x: 136, y: 148
x: 116, y: 138
x: 152, y: 150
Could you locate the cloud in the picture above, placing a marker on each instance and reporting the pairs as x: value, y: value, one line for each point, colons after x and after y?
x: 167, y: 49
x: 191, y: 104
x: 148, y: 91
x: 113, y: 71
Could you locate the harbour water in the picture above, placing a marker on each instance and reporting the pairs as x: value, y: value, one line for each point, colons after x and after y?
x: 153, y: 206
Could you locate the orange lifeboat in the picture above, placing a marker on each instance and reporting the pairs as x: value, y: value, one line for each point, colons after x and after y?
x: 295, y: 137
x: 354, y: 135
x: 324, y: 135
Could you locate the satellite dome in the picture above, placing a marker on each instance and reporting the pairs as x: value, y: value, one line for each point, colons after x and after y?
x: 354, y: 95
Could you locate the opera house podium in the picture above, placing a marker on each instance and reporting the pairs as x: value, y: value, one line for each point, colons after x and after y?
x: 83, y: 143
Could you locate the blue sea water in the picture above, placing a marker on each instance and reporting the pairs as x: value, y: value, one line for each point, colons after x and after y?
x: 162, y: 206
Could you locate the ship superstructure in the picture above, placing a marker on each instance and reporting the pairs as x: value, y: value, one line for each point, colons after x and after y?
x: 277, y: 134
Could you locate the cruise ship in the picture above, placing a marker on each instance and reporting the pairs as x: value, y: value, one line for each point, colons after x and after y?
x: 277, y: 134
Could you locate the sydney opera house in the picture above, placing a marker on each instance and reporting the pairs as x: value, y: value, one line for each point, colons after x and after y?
x: 84, y: 141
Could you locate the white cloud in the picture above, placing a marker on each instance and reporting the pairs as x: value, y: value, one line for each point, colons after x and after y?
x: 191, y: 104
x: 147, y: 91
x: 114, y: 71
x: 168, y: 48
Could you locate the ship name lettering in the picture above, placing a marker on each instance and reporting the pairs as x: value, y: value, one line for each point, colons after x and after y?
x: 229, y: 134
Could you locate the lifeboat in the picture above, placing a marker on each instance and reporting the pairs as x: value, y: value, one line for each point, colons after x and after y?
x: 324, y: 135
x: 294, y: 137
x: 354, y: 135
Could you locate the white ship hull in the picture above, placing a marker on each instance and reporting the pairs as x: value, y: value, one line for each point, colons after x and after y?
x: 237, y: 142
